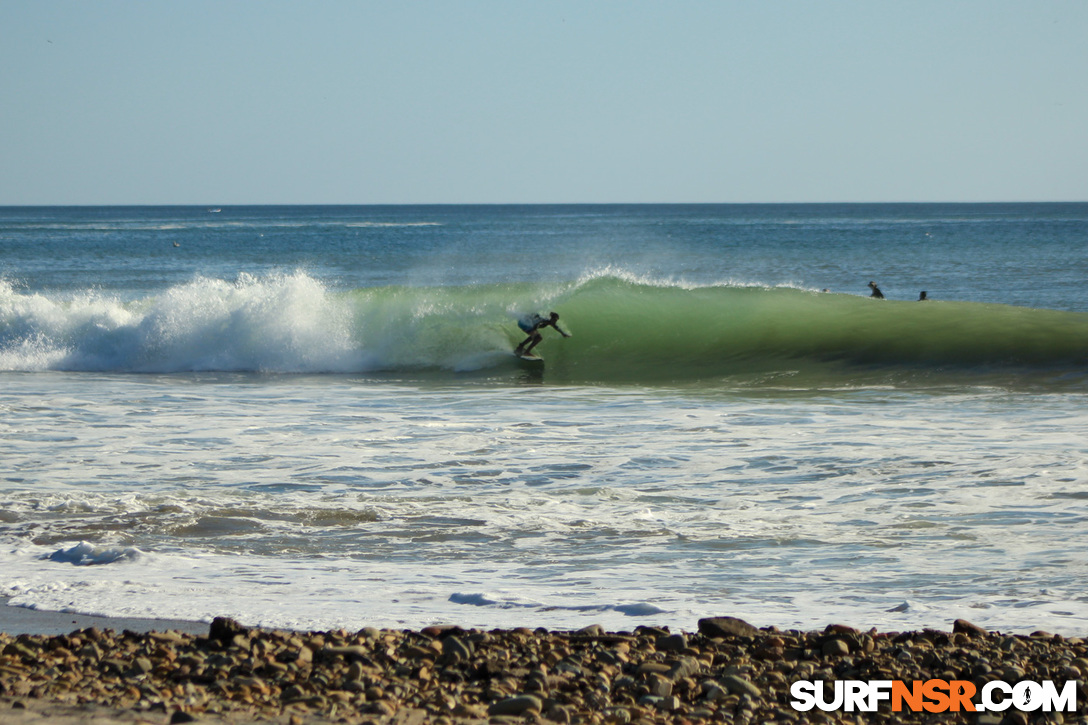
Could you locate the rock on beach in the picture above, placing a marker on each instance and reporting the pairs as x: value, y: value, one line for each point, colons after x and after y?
x: 727, y: 671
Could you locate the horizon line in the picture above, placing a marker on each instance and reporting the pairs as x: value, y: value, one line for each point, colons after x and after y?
x: 214, y: 205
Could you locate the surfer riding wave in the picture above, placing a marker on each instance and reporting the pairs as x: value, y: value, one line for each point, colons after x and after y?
x: 532, y: 325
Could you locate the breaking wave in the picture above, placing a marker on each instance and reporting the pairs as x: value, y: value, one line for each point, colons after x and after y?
x: 623, y: 329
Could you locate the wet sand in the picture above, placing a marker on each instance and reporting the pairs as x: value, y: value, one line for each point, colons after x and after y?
x: 20, y: 620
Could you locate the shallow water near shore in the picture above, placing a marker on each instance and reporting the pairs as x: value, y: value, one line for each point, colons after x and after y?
x: 276, y: 431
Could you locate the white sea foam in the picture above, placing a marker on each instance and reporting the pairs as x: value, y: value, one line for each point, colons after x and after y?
x: 318, y: 503
x: 278, y: 323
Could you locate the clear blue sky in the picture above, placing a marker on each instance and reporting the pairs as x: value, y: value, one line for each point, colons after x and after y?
x: 542, y: 101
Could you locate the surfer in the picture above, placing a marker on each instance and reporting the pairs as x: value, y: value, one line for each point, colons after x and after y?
x: 876, y: 291
x: 532, y: 325
x: 922, y: 297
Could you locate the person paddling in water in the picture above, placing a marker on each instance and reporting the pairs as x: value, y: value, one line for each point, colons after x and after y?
x: 532, y: 325
x: 876, y: 291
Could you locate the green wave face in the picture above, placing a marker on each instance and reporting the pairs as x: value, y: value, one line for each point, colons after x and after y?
x: 634, y: 331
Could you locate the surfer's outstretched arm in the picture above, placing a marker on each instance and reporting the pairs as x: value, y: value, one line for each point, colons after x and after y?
x: 553, y: 321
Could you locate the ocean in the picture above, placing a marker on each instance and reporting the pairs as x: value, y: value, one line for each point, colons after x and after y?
x: 310, y: 417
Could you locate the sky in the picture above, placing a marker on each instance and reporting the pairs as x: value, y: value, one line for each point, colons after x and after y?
x: 541, y: 101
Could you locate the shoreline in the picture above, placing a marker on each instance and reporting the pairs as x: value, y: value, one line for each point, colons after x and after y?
x: 16, y: 620
x: 725, y: 671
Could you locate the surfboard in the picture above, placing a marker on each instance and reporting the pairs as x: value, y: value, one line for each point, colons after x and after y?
x: 530, y: 357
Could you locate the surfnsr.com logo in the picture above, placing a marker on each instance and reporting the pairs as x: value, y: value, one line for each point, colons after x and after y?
x: 933, y: 696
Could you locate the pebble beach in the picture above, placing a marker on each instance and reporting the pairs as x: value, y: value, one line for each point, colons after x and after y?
x: 725, y: 670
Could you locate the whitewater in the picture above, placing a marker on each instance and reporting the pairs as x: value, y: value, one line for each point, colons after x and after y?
x: 311, y: 417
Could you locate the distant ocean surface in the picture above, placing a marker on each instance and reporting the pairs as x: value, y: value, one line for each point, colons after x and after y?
x: 310, y: 417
